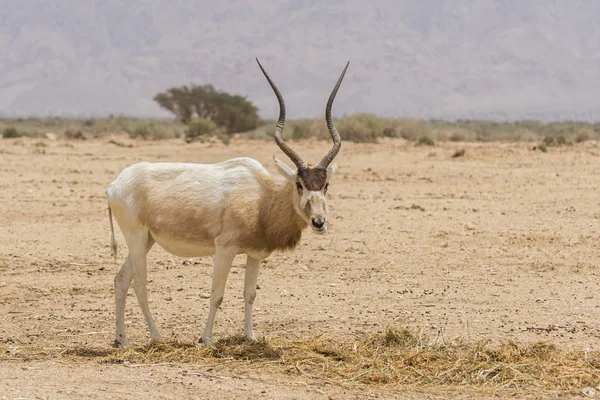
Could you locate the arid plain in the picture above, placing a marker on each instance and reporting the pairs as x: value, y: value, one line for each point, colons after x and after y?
x: 499, y: 244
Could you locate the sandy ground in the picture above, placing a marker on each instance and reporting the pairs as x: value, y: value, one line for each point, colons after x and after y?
x: 498, y: 244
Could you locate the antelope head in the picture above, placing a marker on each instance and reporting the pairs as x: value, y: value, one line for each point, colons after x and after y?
x: 309, y: 198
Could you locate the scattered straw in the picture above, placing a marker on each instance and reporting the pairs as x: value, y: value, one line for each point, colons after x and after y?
x: 394, y: 357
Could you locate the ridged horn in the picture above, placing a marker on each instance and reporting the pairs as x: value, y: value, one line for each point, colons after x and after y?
x: 337, y: 140
x: 280, y: 122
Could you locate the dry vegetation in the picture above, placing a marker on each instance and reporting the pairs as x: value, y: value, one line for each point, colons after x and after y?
x: 397, y: 357
x: 360, y: 128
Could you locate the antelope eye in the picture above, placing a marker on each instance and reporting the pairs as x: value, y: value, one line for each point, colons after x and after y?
x: 299, y: 185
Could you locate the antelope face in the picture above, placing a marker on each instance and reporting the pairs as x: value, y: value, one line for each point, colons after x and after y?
x: 312, y: 185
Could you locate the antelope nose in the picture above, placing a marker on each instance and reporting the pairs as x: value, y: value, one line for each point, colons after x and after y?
x: 318, y: 222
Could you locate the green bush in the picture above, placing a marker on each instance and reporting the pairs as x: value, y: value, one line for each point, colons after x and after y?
x: 11, y: 132
x: 233, y: 113
x: 203, y: 128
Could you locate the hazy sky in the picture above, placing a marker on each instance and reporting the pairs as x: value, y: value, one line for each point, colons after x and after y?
x: 433, y: 58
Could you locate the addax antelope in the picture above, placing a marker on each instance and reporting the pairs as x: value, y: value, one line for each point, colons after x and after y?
x: 233, y: 207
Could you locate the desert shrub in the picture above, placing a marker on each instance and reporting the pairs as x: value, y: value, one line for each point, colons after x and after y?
x: 582, y: 136
x: 357, y: 129
x: 300, y: 129
x: 202, y: 129
x: 142, y: 132
x: 11, y: 132
x: 458, y: 153
x: 408, y: 133
x: 318, y: 129
x: 555, y: 141
x: 390, y: 132
x: 483, y: 134
x: 425, y: 141
x: 413, y: 129
x: 149, y: 132
x: 74, y: 134
x: 457, y: 137
x: 263, y: 132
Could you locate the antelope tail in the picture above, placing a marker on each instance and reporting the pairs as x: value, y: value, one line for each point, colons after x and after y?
x: 113, y: 242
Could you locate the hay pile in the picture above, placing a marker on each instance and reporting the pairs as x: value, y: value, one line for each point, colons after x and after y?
x: 399, y: 357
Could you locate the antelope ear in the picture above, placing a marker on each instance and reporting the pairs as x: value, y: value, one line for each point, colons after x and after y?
x: 284, y: 170
x: 331, y: 171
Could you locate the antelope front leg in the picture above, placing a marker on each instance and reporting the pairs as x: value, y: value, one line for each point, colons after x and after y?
x: 223, y: 260
x: 252, y: 268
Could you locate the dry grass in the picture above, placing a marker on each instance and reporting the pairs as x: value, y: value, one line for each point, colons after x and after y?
x: 398, y: 357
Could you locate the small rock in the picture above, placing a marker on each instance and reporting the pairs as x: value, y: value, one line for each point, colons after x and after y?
x: 187, y: 262
x: 361, y: 230
x: 51, y: 136
x: 257, y: 286
x: 205, y: 295
x: 470, y: 227
x: 589, y: 392
x: 304, y: 267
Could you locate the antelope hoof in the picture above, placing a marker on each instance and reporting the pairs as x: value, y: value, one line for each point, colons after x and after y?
x: 207, y: 342
x: 156, y: 340
x: 120, y: 343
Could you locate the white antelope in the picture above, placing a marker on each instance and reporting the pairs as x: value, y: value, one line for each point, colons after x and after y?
x: 233, y: 207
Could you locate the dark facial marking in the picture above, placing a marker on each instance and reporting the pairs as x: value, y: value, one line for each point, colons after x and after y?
x: 313, y: 178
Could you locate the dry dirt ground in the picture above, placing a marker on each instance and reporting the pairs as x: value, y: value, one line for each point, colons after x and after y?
x: 500, y: 244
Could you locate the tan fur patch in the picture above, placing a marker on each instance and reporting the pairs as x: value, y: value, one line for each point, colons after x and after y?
x: 270, y: 222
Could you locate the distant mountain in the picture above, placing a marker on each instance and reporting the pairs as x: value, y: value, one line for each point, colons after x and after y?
x: 492, y: 59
